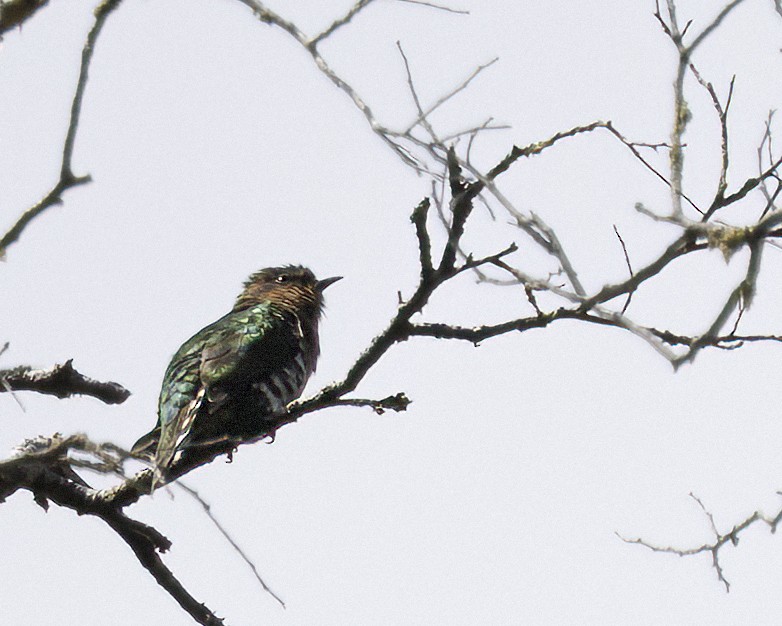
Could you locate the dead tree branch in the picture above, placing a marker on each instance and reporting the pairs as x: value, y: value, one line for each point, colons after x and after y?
x: 720, y: 539
x: 45, y: 468
x: 681, y: 111
x: 42, y: 468
x: 62, y: 381
x: 67, y: 178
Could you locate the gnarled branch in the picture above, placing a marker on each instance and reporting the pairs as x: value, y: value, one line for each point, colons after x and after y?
x: 62, y: 381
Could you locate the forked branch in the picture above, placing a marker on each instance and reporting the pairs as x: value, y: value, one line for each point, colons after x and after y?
x: 67, y: 178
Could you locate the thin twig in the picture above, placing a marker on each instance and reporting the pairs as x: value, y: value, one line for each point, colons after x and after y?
x: 268, y: 16
x: 714, y: 24
x: 432, y: 5
x: 338, y: 23
x: 722, y: 115
x: 720, y: 539
x: 41, y: 467
x: 208, y: 510
x: 629, y: 268
x: 397, y: 403
x: 766, y: 145
x: 423, y: 114
x: 67, y: 178
x: 418, y: 218
x: 681, y: 112
x: 632, y: 147
x: 743, y: 293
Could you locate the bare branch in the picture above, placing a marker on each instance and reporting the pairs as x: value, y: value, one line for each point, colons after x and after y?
x: 48, y: 471
x: 554, y: 247
x: 629, y: 268
x: 423, y: 114
x: 418, y: 218
x: 268, y: 16
x: 725, y: 342
x: 477, y: 334
x: 208, y: 510
x: 536, y: 148
x: 632, y: 146
x: 398, y: 402
x: 766, y: 147
x: 682, y: 245
x: 742, y: 310
x: 471, y: 263
x: 432, y: 5
x: 50, y: 199
x: 752, y: 183
x: 653, y: 146
x: 42, y: 469
x: 743, y: 293
x: 722, y: 115
x: 714, y: 24
x: 681, y: 111
x: 338, y: 23
x: 67, y: 178
x: 62, y: 381
x: 133, y: 534
x: 720, y: 539
x: 474, y: 131
x: 681, y: 116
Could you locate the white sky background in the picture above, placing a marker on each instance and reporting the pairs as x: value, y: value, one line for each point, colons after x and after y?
x: 216, y: 148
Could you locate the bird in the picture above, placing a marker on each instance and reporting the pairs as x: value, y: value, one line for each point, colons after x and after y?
x: 230, y: 379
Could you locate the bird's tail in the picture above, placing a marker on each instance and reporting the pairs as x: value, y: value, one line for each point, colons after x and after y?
x: 146, y: 446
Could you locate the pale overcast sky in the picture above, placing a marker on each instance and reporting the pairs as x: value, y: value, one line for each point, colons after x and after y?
x: 217, y: 148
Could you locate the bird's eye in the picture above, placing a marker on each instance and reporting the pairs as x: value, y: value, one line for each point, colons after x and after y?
x: 282, y: 278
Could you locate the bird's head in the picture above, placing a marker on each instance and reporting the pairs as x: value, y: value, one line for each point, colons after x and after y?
x: 291, y: 287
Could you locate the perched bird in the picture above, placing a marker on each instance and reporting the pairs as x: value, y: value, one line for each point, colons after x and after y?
x: 234, y: 376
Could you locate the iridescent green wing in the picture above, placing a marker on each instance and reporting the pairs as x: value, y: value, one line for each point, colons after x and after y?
x: 193, y: 379
x: 229, y: 344
x: 180, y: 398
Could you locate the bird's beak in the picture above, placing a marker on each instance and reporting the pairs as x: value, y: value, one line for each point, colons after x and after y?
x: 322, y: 284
